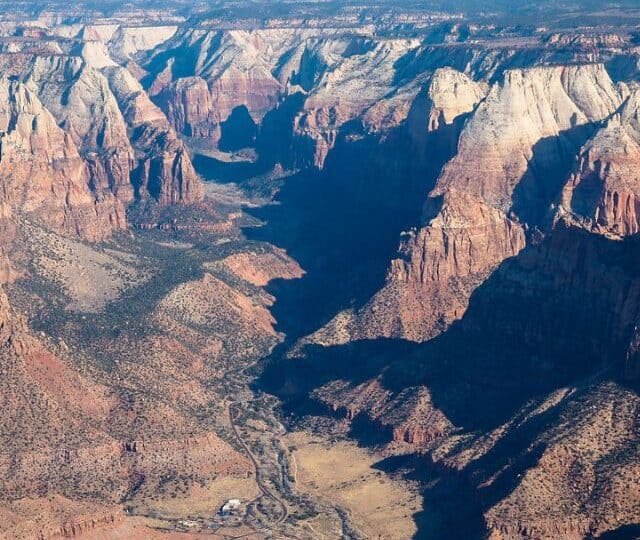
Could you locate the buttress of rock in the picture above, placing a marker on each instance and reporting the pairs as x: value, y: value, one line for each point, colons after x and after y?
x: 603, y: 193
x: 42, y: 173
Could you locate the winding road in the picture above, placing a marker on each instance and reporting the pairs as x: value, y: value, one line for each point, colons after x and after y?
x: 261, y: 485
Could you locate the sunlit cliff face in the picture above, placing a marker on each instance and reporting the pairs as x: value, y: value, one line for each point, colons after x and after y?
x: 245, y: 246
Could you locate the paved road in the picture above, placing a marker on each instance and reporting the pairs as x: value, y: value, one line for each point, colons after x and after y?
x: 261, y: 485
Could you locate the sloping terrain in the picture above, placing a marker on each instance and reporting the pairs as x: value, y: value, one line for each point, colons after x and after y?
x: 418, y: 234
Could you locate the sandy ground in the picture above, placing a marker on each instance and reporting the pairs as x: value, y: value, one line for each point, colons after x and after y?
x: 89, y: 275
x: 202, y: 502
x: 135, y: 529
x: 381, y: 507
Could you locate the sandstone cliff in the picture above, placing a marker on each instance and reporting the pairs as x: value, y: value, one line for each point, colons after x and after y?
x: 124, y: 145
x: 79, y: 97
x: 502, y: 351
x: 462, y: 240
x: 164, y: 168
x: 205, y: 75
x: 43, y: 174
x: 127, y: 42
x: 513, y: 157
x: 199, y: 78
x: 603, y: 192
x: 520, y: 144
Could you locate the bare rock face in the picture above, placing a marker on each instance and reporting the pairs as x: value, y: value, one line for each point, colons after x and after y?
x: 528, y: 430
x: 440, y: 265
x: 189, y: 109
x: 79, y: 97
x: 351, y: 80
x: 603, y: 192
x: 587, y: 41
x: 43, y: 174
x: 200, y: 78
x: 566, y: 292
x: 124, y: 141
x: 514, y: 154
x: 352, y: 77
x: 462, y: 240
x: 466, y: 237
x: 9, y: 323
x: 212, y: 73
x: 260, y: 269
x: 126, y: 42
x: 518, y: 147
x: 409, y: 417
x: 451, y: 94
x: 164, y: 170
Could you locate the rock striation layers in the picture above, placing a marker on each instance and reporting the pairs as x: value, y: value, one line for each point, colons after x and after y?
x: 510, y: 307
x: 514, y: 156
x: 521, y: 142
x: 164, y: 168
x: 603, y: 191
x: 43, y: 174
x: 84, y: 127
x: 200, y: 78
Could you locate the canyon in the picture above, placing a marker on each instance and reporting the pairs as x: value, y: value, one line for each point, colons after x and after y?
x: 372, y: 269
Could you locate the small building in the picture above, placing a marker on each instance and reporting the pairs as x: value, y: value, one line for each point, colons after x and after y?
x: 230, y: 507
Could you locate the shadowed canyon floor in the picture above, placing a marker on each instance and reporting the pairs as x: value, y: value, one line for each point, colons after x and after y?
x: 371, y: 269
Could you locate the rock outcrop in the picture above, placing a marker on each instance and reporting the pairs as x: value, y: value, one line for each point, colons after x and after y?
x: 514, y: 156
x: 450, y: 95
x: 603, y: 192
x: 502, y: 353
x: 126, y: 142
x: 79, y: 97
x: 164, y: 168
x: 199, y: 78
x: 204, y: 75
x: 519, y: 146
x: 127, y: 42
x: 462, y: 240
x: 43, y: 174
x: 95, y: 142
x: 444, y: 261
x: 503, y: 285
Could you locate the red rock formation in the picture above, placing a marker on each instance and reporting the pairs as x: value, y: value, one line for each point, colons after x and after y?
x: 43, y: 174
x: 230, y: 69
x: 90, y: 115
x: 499, y: 155
x: 189, y: 110
x: 467, y: 237
x: 165, y: 170
x: 122, y: 139
x: 79, y: 527
x: 497, y: 172
x: 429, y: 286
x: 261, y: 268
x: 258, y: 68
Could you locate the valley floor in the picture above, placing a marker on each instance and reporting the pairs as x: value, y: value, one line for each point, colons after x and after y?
x: 198, y: 294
